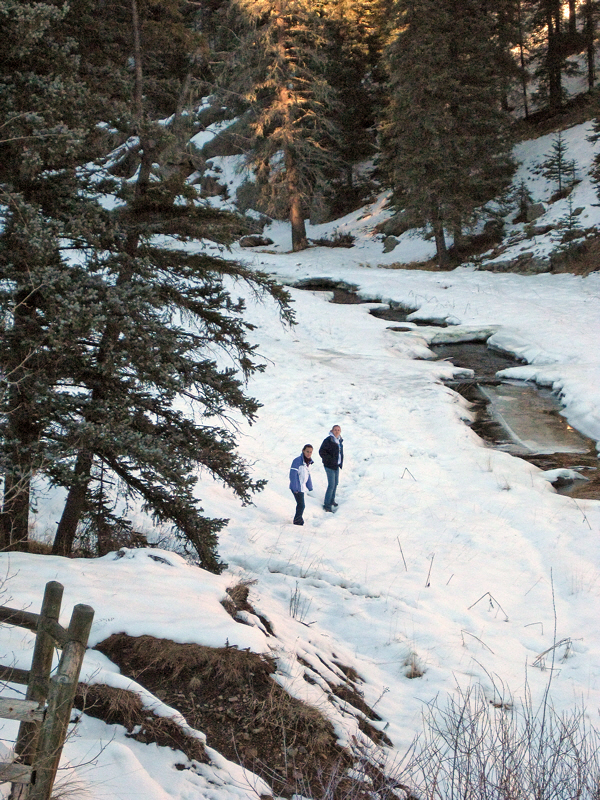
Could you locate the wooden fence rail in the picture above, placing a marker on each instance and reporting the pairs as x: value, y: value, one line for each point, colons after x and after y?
x: 46, y: 710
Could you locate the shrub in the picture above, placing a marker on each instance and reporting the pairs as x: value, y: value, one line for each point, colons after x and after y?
x: 482, y: 750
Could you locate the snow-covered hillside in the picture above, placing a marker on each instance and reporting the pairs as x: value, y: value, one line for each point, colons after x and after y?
x: 447, y: 564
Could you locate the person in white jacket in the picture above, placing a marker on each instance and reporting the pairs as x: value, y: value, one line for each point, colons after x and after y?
x: 300, y: 480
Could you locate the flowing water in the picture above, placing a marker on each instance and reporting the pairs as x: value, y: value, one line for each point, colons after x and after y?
x: 515, y: 416
x: 522, y: 418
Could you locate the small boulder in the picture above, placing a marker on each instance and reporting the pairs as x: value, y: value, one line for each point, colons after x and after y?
x: 494, y: 228
x: 255, y: 241
x: 389, y: 243
x: 396, y: 225
x: 535, y: 210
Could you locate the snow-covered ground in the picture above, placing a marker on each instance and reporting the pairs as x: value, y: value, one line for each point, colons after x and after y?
x: 444, y: 554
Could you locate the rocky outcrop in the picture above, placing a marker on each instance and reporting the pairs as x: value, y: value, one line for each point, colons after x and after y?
x: 396, y: 225
x: 527, y: 263
x: 535, y: 210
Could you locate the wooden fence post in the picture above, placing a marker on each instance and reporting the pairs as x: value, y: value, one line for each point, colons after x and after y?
x: 38, y: 684
x: 63, y: 687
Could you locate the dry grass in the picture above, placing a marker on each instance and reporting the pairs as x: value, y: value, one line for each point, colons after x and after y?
x: 353, y: 701
x: 473, y: 748
x: 120, y: 707
x: 229, y: 694
x: 237, y: 598
x: 237, y: 601
x: 39, y: 548
x: 429, y: 266
x: 150, y: 659
x: 413, y: 667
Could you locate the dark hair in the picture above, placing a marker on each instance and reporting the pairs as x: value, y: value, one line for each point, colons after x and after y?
x: 307, y: 445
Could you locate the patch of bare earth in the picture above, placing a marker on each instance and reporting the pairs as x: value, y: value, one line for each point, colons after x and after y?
x: 229, y: 695
x: 120, y: 707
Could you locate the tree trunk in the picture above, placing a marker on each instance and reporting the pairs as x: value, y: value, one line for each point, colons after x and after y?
x: 457, y: 236
x: 590, y: 35
x: 553, y: 57
x: 22, y: 433
x: 14, y: 530
x: 523, y: 65
x: 75, y: 502
x: 22, y: 425
x: 137, y: 61
x: 572, y: 17
x: 74, y: 505
x: 522, y: 61
x: 437, y: 224
x: 299, y: 240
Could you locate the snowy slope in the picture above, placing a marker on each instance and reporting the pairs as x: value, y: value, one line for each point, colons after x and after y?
x: 444, y: 554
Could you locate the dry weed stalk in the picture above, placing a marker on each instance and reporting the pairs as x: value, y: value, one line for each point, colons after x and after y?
x: 473, y: 749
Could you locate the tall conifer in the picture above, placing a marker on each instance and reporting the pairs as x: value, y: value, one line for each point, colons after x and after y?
x: 108, y: 334
x: 281, y: 72
x: 444, y: 138
x: 47, y: 304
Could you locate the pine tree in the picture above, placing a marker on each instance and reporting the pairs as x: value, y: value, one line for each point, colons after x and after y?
x: 47, y: 303
x: 594, y: 138
x: 146, y: 360
x: 547, y: 21
x: 281, y: 72
x: 508, y: 41
x: 571, y: 223
x: 557, y: 166
x: 444, y: 139
x: 106, y: 332
x: 590, y: 17
x: 561, y: 36
x: 355, y: 32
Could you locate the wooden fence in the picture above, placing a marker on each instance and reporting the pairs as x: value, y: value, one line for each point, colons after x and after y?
x: 46, y: 710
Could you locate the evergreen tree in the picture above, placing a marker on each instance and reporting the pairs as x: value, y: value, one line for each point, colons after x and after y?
x: 557, y: 166
x: 48, y: 303
x: 280, y: 69
x: 355, y: 32
x: 593, y: 138
x: 509, y: 37
x: 548, y: 18
x: 590, y: 17
x: 445, y: 138
x: 522, y: 197
x: 571, y: 223
x: 107, y: 333
x: 555, y: 25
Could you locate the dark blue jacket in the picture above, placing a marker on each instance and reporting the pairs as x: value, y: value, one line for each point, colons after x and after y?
x: 330, y: 452
x: 295, y: 484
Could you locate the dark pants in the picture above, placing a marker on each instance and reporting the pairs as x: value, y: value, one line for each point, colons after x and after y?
x: 333, y: 476
x: 299, y: 508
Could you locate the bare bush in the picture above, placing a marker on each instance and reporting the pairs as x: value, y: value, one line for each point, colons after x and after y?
x: 299, y: 604
x: 476, y: 749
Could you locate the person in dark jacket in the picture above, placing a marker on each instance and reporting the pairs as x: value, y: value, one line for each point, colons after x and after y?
x: 332, y: 455
x: 300, y: 480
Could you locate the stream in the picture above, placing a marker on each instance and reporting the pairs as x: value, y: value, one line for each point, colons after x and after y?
x: 522, y: 418
x: 517, y: 417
